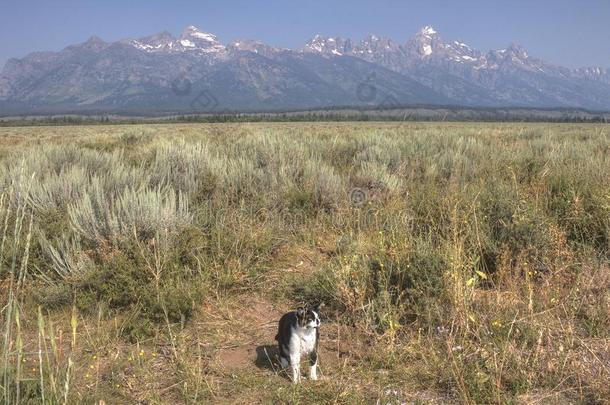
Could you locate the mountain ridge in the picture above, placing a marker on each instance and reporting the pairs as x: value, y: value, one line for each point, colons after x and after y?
x: 325, y: 72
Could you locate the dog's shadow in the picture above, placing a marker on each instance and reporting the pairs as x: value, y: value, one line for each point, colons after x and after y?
x: 267, y: 358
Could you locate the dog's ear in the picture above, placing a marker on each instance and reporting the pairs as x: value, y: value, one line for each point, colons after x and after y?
x: 316, y: 308
x: 300, y: 312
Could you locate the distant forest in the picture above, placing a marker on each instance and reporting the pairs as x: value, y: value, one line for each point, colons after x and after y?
x: 451, y: 114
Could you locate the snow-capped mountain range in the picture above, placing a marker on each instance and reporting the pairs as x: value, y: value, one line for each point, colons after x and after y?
x: 191, y: 40
x: 197, y: 72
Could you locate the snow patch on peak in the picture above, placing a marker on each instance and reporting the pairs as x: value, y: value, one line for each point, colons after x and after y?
x: 326, y: 45
x: 190, y: 30
x: 428, y: 30
x: 144, y: 47
x: 204, y: 35
x: 187, y: 43
x: 427, y: 50
x: 193, y: 32
x: 193, y: 39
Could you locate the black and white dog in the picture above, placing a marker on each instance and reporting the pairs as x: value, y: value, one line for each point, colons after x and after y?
x: 297, y: 336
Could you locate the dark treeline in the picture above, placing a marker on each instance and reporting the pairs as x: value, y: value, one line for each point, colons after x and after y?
x: 321, y: 116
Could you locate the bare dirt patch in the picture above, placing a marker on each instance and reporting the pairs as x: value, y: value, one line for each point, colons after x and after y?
x: 244, y: 326
x: 237, y: 358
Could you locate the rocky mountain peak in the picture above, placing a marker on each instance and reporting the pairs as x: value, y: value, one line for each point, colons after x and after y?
x: 193, y: 38
x: 517, y: 51
x: 428, y: 31
x: 424, y: 43
x: 248, y: 45
x: 328, y: 45
x: 373, y: 46
x: 192, y: 32
x: 162, y: 41
x: 94, y: 43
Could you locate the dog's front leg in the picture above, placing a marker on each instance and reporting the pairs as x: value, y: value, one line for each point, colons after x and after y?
x: 295, y: 364
x: 313, y: 360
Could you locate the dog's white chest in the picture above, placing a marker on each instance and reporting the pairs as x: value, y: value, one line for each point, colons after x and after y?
x: 303, y: 342
x: 308, y: 341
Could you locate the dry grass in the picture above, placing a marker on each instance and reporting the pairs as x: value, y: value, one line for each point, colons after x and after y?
x: 159, y: 257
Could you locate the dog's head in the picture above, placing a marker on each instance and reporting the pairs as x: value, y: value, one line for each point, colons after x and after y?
x: 309, y: 317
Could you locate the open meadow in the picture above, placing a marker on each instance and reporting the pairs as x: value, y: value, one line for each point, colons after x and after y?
x: 458, y: 263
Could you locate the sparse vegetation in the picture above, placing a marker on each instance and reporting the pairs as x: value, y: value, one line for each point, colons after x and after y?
x: 458, y: 262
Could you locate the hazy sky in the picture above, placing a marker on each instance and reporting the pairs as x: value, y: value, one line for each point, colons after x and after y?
x: 567, y: 32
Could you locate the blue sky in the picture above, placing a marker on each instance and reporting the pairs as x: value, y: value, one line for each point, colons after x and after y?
x: 567, y: 32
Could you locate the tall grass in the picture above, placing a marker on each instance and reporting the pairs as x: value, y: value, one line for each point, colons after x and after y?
x: 14, y: 250
x: 478, y: 251
x: 17, y: 219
